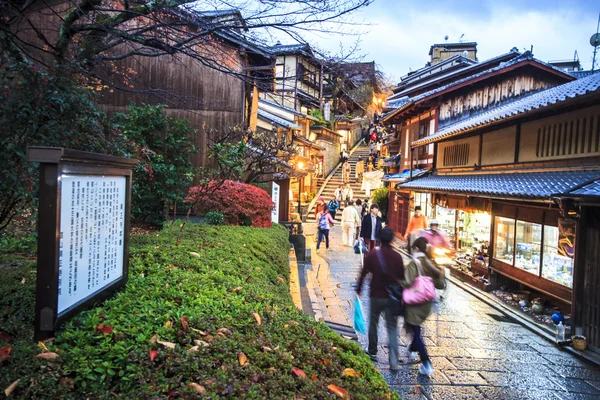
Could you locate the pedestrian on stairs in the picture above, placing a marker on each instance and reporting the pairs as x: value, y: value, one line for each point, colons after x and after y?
x: 350, y: 220
x: 338, y: 193
x: 370, y: 227
x: 333, y: 206
x: 359, y: 169
x: 320, y: 207
x: 324, y: 223
x: 348, y: 195
x: 346, y: 172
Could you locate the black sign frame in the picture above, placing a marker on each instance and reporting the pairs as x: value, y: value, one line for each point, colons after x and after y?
x: 54, y: 163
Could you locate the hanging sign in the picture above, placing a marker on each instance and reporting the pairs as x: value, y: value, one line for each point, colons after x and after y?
x: 566, y: 237
x: 83, y: 231
x: 275, y: 197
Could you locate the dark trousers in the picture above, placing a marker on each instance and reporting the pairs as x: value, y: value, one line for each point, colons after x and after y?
x: 323, y: 233
x: 417, y: 343
x: 370, y: 244
x: 332, y: 213
x: 381, y: 306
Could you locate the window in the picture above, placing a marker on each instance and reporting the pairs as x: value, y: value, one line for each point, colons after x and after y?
x: 529, y: 243
x: 456, y: 155
x: 423, y: 200
x: 505, y: 239
x: 279, y: 71
x: 557, y: 268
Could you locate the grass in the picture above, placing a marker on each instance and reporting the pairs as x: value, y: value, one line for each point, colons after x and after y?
x: 205, y: 314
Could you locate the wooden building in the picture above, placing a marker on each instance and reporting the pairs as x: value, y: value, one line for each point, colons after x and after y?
x: 514, y: 178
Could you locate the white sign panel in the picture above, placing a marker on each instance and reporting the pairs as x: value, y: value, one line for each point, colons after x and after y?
x: 275, y: 197
x: 327, y: 111
x: 92, y: 224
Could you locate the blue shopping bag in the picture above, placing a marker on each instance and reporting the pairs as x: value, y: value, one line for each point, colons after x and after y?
x: 359, y: 318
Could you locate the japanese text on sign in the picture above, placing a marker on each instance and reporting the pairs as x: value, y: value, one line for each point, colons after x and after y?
x: 92, y: 223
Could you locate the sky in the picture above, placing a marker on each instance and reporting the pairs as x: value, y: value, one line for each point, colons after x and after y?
x: 397, y: 34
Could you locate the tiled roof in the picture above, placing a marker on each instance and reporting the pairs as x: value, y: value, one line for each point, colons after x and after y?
x: 581, y: 74
x: 532, y: 185
x: 591, y: 189
x: 281, y: 49
x: 275, y: 120
x: 522, y: 105
x: 404, y: 175
x: 284, y: 108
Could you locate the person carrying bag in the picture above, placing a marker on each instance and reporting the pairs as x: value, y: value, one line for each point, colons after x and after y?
x: 421, y: 277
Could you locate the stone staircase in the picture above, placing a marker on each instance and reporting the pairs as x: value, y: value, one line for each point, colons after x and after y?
x: 336, y: 180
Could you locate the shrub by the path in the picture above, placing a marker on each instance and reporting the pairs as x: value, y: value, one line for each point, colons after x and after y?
x: 206, y: 314
x: 240, y: 203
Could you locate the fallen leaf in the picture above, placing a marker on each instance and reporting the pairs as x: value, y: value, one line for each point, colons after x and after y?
x: 194, y: 254
x: 294, y: 322
x: 5, y: 353
x: 8, y: 391
x: 105, y: 329
x: 68, y: 382
x: 334, y: 349
x: 201, y: 343
x: 198, y: 388
x: 199, y: 332
x: 184, y: 322
x: 22, y: 281
x: 281, y: 280
x: 47, y: 356
x: 42, y: 346
x: 168, y: 324
x: 153, y: 339
x: 326, y: 362
x: 338, y: 391
x: 299, y: 373
x: 351, y: 372
x: 224, y: 331
x: 153, y: 354
x: 272, y: 369
x: 276, y: 348
x: 267, y: 348
x: 166, y: 344
x: 314, y: 377
x: 242, y: 358
x: 223, y: 367
x: 240, y: 260
x: 193, y: 349
x: 238, y: 289
x: 257, y: 318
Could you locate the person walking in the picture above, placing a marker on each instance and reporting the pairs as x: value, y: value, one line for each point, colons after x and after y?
x: 348, y: 194
x: 346, y: 172
x: 333, y: 206
x: 325, y: 222
x: 338, y: 193
x: 370, y: 227
x: 385, y: 266
x: 416, y: 314
x: 359, y: 169
x: 320, y: 207
x: 417, y: 222
x: 378, y: 148
x: 350, y: 220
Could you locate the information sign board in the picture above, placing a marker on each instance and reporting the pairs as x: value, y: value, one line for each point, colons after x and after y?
x: 275, y: 197
x: 83, y: 231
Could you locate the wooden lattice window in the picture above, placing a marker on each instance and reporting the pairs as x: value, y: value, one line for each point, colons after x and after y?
x: 456, y: 155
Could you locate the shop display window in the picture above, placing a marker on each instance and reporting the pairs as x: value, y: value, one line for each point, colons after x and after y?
x: 556, y: 268
x: 447, y: 218
x: 424, y: 200
x: 473, y: 231
x: 505, y: 239
x: 529, y: 247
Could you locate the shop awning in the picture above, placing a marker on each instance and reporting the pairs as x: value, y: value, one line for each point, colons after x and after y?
x: 529, y: 185
x: 404, y: 175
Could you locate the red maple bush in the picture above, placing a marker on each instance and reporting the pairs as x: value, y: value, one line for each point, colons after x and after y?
x: 240, y: 203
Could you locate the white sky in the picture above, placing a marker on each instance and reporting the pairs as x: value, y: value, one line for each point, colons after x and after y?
x: 400, y: 32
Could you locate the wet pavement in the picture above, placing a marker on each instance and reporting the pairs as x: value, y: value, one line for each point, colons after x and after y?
x: 477, y: 352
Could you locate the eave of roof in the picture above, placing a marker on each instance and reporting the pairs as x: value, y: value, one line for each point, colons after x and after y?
x: 517, y: 184
x: 535, y: 102
x: 275, y: 120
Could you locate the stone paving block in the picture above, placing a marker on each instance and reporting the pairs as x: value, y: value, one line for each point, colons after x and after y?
x: 478, y: 364
x: 465, y: 378
x: 411, y: 376
x: 520, y: 381
x: 577, y: 386
x: 448, y: 352
x: 452, y: 393
x: 566, y: 360
x: 530, y: 357
x: 409, y: 392
x: 486, y: 353
x: 503, y: 393
x: 576, y: 396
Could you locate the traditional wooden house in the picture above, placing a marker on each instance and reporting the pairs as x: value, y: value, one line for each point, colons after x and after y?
x: 514, y: 162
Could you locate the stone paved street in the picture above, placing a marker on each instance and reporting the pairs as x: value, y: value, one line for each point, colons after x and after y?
x: 477, y: 352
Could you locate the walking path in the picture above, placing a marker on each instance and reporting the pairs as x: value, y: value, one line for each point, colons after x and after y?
x: 477, y: 352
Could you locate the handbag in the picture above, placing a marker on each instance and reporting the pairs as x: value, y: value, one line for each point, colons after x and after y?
x: 422, y: 290
x: 395, y: 292
x: 360, y: 247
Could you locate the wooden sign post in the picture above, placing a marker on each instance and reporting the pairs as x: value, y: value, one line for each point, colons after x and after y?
x: 83, y: 231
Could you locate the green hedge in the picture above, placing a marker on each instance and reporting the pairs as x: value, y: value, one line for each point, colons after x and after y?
x: 203, y: 285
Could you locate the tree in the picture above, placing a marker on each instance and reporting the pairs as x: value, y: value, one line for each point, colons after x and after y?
x: 94, y: 35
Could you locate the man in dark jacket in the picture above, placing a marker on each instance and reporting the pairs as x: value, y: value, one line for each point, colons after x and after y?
x: 370, y: 227
x: 392, y: 271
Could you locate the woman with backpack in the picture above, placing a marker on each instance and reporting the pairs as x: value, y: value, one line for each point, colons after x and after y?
x: 324, y: 223
x: 416, y: 313
x: 334, y: 204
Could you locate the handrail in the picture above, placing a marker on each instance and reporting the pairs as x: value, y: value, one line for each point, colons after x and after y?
x: 328, y: 178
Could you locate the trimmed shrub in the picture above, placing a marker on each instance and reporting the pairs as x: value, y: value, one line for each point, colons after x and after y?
x: 206, y: 310
x: 380, y: 197
x: 240, y: 203
x: 214, y: 218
